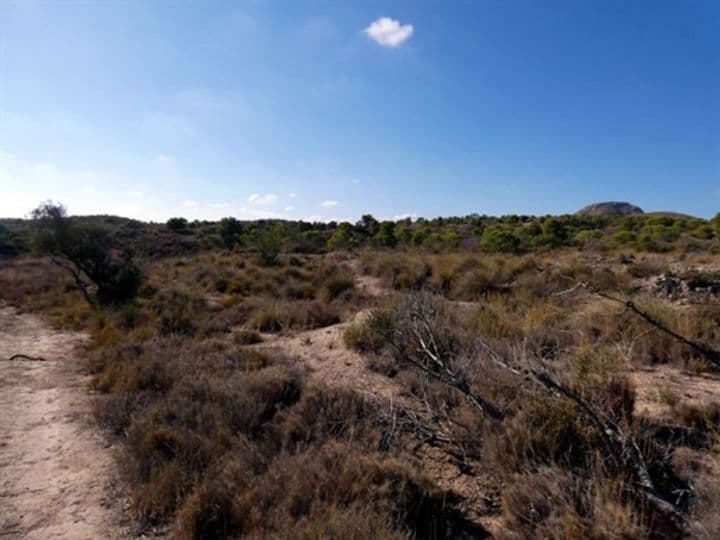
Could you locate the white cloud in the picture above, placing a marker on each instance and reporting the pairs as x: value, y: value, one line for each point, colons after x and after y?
x: 292, y: 195
x: 219, y: 205
x: 162, y: 160
x: 330, y: 204
x: 389, y: 32
x: 257, y: 198
x: 190, y: 204
x: 289, y: 208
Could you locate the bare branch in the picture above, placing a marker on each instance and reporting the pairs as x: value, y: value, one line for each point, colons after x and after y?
x: 704, y: 350
x: 75, y: 272
x: 26, y: 357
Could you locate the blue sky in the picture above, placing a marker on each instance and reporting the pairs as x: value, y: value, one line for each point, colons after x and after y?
x: 327, y: 110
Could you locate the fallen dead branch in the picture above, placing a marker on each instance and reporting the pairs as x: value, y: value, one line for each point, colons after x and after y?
x: 620, y: 445
x: 26, y: 357
x: 418, y: 340
x: 702, y: 349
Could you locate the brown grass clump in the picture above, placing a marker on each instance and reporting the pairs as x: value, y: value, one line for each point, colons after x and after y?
x: 705, y: 417
x: 298, y: 488
x: 274, y: 317
x: 368, y: 335
x: 551, y: 503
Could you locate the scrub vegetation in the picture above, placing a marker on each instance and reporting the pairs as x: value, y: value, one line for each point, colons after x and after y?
x: 515, y: 377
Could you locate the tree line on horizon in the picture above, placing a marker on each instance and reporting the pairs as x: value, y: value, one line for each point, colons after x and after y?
x: 512, y: 234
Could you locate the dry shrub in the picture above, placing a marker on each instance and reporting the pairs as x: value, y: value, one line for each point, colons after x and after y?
x: 493, y: 320
x: 194, y: 426
x: 401, y: 272
x: 36, y: 284
x: 275, y: 317
x: 177, y: 312
x: 301, y: 488
x: 700, y: 469
x: 383, y: 364
x: 308, y: 315
x: 335, y: 285
x: 246, y: 337
x: 547, y: 430
x: 344, y: 523
x: 180, y: 406
x: 703, y: 417
x: 327, y: 413
x: 603, y: 324
x: 369, y: 334
x: 31, y: 278
x: 648, y: 267
x: 267, y: 318
x: 552, y: 503
x: 296, y: 290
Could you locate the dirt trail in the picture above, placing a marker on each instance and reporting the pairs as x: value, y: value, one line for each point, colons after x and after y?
x: 55, y: 471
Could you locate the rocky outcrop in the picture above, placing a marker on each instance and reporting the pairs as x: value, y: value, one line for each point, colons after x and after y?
x: 610, y: 209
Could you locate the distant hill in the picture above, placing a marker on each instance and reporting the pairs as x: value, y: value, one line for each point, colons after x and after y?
x: 610, y: 209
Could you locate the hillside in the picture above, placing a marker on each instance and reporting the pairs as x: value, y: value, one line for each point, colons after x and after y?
x: 611, y: 208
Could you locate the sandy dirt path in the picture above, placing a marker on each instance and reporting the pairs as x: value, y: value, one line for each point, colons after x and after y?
x: 55, y: 470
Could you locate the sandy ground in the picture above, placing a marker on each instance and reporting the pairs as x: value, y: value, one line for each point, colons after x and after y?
x: 688, y: 388
x: 55, y: 470
x: 324, y: 352
x: 329, y: 361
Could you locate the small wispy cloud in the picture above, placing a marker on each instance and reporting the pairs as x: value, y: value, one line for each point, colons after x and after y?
x: 330, y: 204
x: 389, y: 32
x: 289, y: 208
x: 258, y: 199
x: 190, y: 204
x: 292, y: 195
x: 162, y: 160
x: 219, y: 205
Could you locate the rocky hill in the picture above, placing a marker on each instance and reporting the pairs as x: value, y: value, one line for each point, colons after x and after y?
x: 610, y: 209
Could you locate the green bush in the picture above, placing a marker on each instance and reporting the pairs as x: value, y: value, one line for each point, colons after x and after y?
x: 177, y: 224
x: 268, y: 244
x: 230, y: 231
x: 499, y: 239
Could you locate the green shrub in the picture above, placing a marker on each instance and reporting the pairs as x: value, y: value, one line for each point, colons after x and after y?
x: 498, y: 239
x: 177, y: 224
x: 268, y: 244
